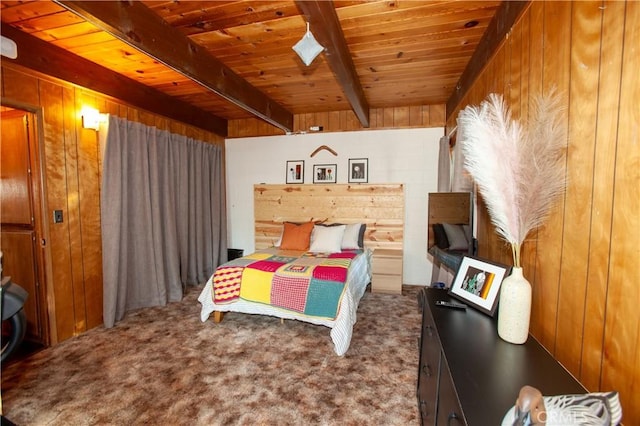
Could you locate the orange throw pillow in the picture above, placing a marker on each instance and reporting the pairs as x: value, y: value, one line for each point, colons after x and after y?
x: 296, y: 237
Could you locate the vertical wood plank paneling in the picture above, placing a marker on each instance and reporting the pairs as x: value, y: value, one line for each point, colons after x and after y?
x: 528, y: 254
x: 534, y: 74
x: 437, y: 114
x: 72, y: 162
x: 89, y: 202
x: 341, y: 121
x: 556, y: 52
x: 586, y: 283
x: 20, y: 87
x: 73, y: 120
x: 334, y: 121
x: 513, y: 95
x: 603, y: 176
x: 146, y: 118
x: 51, y: 101
x: 415, y: 116
x: 387, y: 117
x: 426, y: 115
x: 379, y: 118
x: 621, y: 368
x: 401, y: 117
x: 585, y: 55
x: 495, y: 80
x: 525, y: 46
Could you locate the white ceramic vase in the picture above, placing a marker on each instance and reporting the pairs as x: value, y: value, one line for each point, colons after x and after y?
x: 514, y: 310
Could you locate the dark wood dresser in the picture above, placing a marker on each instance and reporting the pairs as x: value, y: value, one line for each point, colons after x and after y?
x: 467, y: 375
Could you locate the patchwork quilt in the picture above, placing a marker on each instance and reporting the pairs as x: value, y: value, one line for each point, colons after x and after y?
x: 312, y: 284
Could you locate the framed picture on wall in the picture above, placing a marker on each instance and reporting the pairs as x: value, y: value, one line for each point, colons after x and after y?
x: 295, y: 171
x: 324, y: 173
x: 358, y: 170
x: 477, y: 283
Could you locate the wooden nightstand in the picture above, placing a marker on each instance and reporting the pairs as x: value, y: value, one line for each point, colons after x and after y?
x: 387, y: 271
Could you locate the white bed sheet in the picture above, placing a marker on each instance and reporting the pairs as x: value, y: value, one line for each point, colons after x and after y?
x: 341, y: 328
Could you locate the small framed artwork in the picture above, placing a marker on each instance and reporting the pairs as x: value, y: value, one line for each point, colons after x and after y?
x: 295, y: 171
x: 358, y: 170
x: 477, y: 283
x: 324, y: 173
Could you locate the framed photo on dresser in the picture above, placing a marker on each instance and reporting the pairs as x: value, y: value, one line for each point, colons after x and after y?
x: 477, y: 283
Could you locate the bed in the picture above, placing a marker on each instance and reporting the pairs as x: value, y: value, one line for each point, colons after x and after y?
x: 310, y: 267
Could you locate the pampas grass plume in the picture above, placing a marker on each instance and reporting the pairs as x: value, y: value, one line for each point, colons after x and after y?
x: 518, y: 167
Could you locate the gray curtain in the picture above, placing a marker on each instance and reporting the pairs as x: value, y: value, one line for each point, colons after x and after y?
x: 461, y: 181
x: 444, y: 165
x: 163, y: 216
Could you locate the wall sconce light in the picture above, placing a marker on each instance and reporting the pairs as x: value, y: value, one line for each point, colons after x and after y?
x: 91, y: 118
x: 9, y: 47
x: 308, y: 47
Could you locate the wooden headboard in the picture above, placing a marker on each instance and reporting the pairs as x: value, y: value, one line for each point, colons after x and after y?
x: 380, y: 206
x: 448, y: 207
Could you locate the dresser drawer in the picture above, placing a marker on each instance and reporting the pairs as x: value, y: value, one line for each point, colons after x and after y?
x: 449, y: 411
x: 387, y: 271
x: 387, y: 265
x: 381, y: 283
x: 428, y: 374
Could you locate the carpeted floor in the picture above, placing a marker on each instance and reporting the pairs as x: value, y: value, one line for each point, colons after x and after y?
x: 163, y: 366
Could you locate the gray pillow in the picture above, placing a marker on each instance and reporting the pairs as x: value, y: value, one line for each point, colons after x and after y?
x: 456, y: 236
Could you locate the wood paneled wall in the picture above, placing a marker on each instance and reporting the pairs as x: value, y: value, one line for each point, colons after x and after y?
x: 340, y: 121
x: 583, y: 263
x: 72, y: 174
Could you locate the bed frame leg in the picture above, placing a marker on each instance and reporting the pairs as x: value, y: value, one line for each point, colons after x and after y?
x: 217, y: 316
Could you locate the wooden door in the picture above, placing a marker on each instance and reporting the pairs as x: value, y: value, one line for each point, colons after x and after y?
x: 18, y: 227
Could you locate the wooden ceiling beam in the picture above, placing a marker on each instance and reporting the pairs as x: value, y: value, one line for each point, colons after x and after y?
x: 498, y: 28
x: 54, y: 61
x: 325, y: 26
x: 140, y: 27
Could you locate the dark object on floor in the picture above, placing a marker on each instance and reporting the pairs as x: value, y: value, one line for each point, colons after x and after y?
x: 14, y: 320
x: 6, y: 422
x: 233, y: 253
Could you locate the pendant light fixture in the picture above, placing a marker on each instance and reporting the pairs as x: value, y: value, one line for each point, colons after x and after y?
x: 308, y: 47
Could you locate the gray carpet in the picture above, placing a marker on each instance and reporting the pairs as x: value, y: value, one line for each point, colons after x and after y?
x: 163, y: 366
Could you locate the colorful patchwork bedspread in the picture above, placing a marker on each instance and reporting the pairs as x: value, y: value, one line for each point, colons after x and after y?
x: 312, y: 284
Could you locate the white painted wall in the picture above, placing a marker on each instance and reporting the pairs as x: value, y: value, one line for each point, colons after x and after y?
x: 407, y: 156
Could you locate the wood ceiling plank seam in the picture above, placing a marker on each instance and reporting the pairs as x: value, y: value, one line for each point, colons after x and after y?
x: 17, y: 12
x: 139, y: 26
x: 413, y: 16
x: 424, y: 7
x: 505, y: 17
x: 420, y: 57
x: 45, y: 58
x: 47, y: 22
x: 206, y: 23
x: 260, y: 52
x: 416, y: 39
x: 88, y: 39
x: 329, y: 33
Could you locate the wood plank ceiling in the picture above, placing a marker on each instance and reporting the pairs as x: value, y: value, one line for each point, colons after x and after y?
x: 234, y: 59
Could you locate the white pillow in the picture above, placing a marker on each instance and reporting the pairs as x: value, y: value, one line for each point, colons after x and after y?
x: 327, y: 239
x: 351, y: 236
